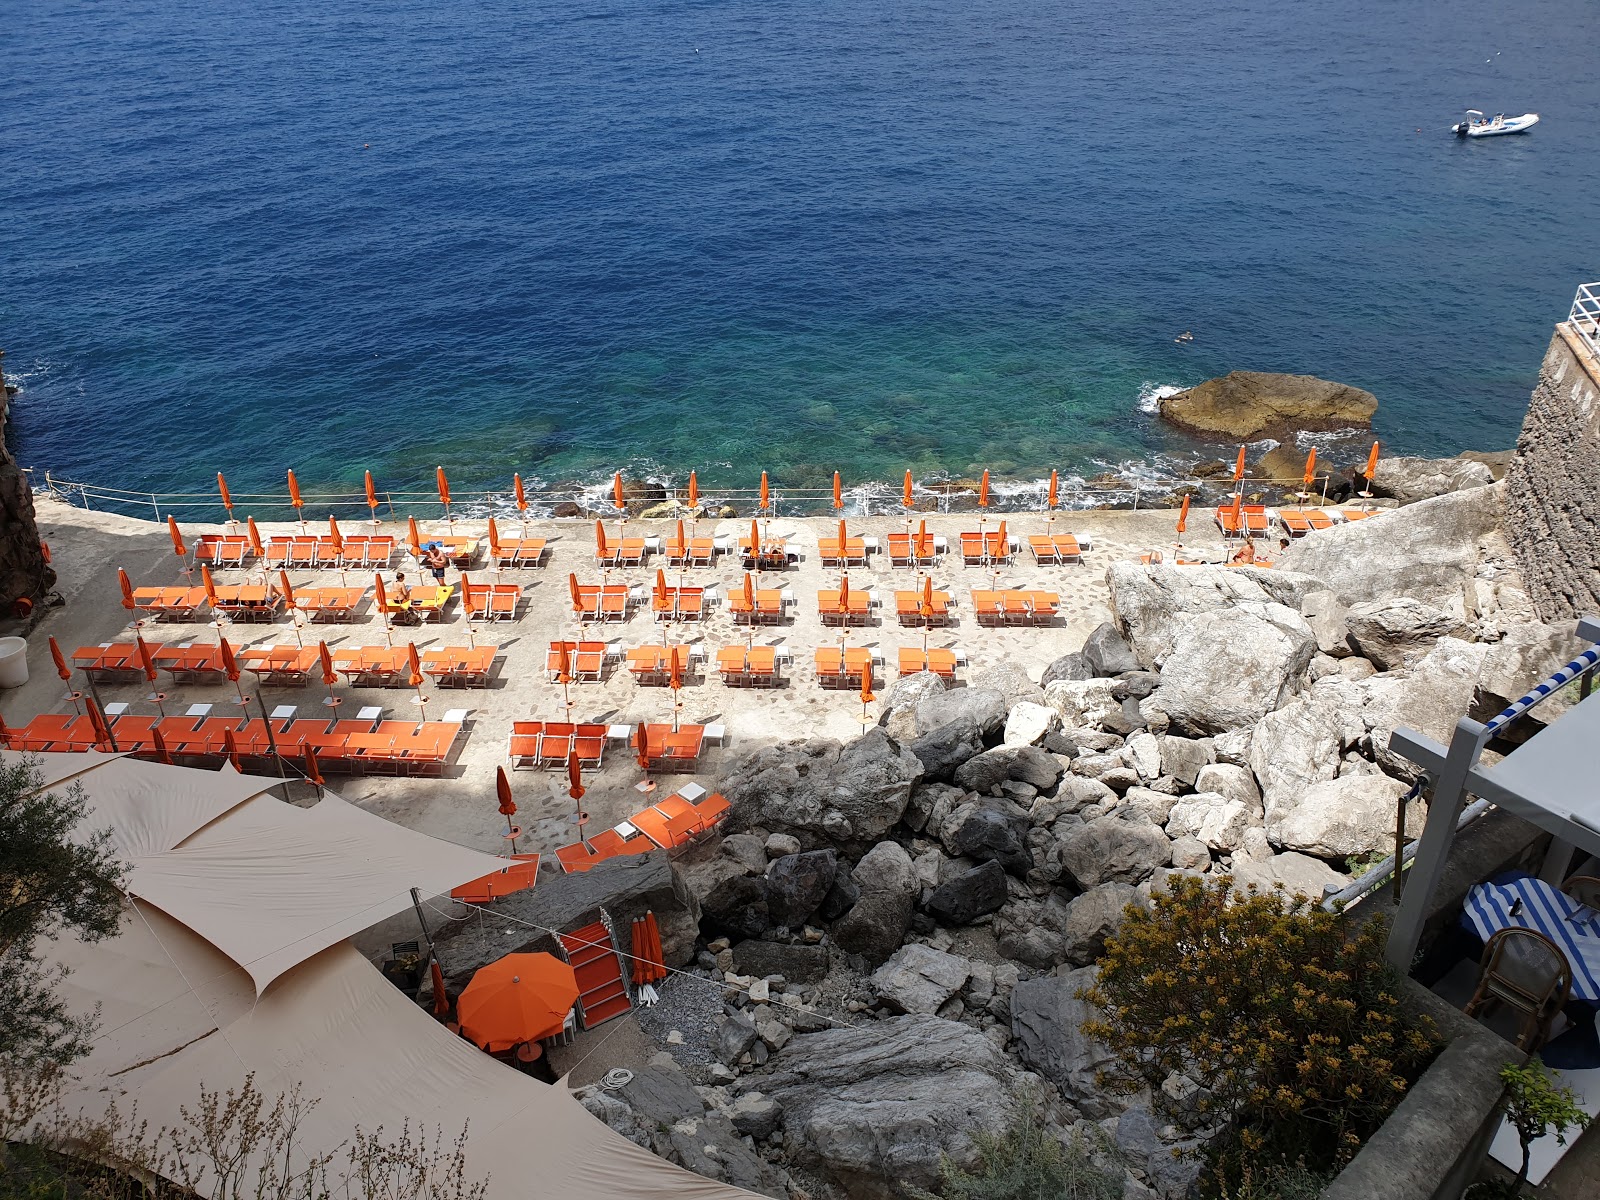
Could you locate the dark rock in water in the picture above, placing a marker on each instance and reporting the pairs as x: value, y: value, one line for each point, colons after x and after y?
x: 795, y: 962
x: 841, y: 896
x: 970, y: 895
x: 1107, y: 652
x: 1068, y: 666
x: 797, y: 884
x: 642, y: 489
x: 738, y: 907
x: 876, y: 924
x: 1246, y: 405
x: 566, y: 509
x: 989, y: 829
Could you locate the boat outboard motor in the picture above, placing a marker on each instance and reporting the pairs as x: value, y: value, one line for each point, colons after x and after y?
x: 1459, y: 129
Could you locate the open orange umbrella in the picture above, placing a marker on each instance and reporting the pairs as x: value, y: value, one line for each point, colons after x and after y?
x: 766, y: 493
x: 230, y: 745
x: 313, y: 769
x: 209, y: 585
x: 617, y: 497
x: 694, y: 491
x: 641, y: 741
x: 372, y: 496
x: 444, y: 487
x: 294, y: 493
x: 256, y: 547
x: 522, y: 496
x: 983, y: 490
x: 227, y: 500
x: 1051, y: 500
x: 178, y: 547
x: 519, y: 998
x: 1311, y: 468
x: 600, y: 546
x: 1183, y: 514
x: 413, y: 537
x: 126, y: 585
x: 1238, y: 466
x: 906, y: 499
x: 159, y: 745
x: 1372, y: 463
x: 838, y: 492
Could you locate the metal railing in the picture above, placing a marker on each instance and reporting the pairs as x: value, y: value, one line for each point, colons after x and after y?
x: 585, y: 502
x: 1585, y: 316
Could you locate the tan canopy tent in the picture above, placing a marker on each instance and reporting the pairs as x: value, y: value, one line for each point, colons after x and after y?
x: 236, y: 963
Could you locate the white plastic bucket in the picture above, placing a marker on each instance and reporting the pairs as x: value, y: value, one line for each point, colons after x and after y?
x: 13, y: 662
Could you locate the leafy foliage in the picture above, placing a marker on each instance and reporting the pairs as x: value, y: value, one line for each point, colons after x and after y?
x: 1285, y: 1015
x: 1028, y: 1162
x: 1534, y: 1105
x: 54, y: 881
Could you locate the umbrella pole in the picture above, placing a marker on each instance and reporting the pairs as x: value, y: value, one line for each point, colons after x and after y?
x: 272, y: 742
x: 416, y: 903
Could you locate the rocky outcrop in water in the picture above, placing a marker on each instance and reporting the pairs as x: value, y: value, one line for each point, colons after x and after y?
x: 1244, y: 405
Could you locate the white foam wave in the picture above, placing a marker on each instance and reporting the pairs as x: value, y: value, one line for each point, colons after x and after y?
x: 1151, y: 395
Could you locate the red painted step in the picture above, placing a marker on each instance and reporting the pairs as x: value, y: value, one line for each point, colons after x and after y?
x: 602, y: 994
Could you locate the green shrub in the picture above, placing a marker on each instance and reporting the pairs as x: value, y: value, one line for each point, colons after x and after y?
x: 1026, y: 1162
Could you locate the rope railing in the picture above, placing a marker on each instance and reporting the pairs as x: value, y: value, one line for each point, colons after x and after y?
x: 860, y: 500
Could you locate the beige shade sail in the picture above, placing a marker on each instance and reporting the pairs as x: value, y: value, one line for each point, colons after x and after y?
x: 58, y: 768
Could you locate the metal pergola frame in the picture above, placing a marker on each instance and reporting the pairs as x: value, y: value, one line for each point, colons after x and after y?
x: 1525, y: 784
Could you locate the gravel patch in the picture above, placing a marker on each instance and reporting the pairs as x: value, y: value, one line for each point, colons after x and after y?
x: 690, y: 1004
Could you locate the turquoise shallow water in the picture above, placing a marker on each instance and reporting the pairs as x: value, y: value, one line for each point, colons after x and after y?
x: 563, y: 239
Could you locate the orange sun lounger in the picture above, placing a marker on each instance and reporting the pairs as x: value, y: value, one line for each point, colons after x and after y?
x: 109, y: 662
x: 651, y: 665
x: 518, y: 552
x: 173, y: 603
x: 585, y: 660
x: 908, y: 609
x: 940, y: 662
x: 491, y: 601
x: 753, y: 666
x: 288, y: 666
x: 459, y: 666
x: 222, y: 550
x: 519, y: 875
x: 774, y: 554
x: 853, y: 551
x: 908, y: 550
x: 834, y: 673
x: 694, y: 552
x: 678, y: 603
x: 330, y: 603
x: 768, y: 608
x: 979, y: 549
x: 858, y: 607
x: 671, y: 748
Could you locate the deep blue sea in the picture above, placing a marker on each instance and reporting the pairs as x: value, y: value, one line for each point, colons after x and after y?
x: 746, y: 234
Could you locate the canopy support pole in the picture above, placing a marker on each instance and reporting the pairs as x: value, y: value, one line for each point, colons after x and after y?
x: 416, y: 903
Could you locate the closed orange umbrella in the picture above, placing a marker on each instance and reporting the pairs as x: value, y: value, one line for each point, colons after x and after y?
x: 325, y: 657
x: 1372, y: 463
x: 844, y: 593
x: 159, y: 744
x: 983, y: 490
x: 227, y: 500
x: 313, y: 769
x: 906, y: 500
x: 1311, y: 467
x: 577, y: 596
x: 1183, y: 514
x: 616, y: 491
x: 334, y: 536
x: 755, y: 542
x: 178, y: 547
x: 927, y: 596
x: 209, y: 585
x: 444, y: 486
x: 575, y: 787
x: 1052, y: 499
x: 145, y: 657
x: 766, y: 493
x: 256, y: 547
x: 494, y: 539
x: 841, y: 537
x: 466, y: 595
x: 372, y: 495
x: 838, y: 492
x: 1238, y: 508
x: 563, y: 663
x: 441, y: 998
x: 502, y: 789
x: 683, y: 546
x: 866, y: 682
x: 97, y: 722
x: 294, y: 492
x: 694, y: 490
x: 675, y: 676
x: 413, y: 538
x: 1238, y: 466
x: 520, y: 998
x: 661, y: 584
x: 382, y: 596
x: 749, y: 591
x: 641, y: 741
x: 230, y: 745
x: 127, y: 590
x: 230, y: 665
x: 1000, y: 536
x: 600, y: 546
x: 414, y: 662
x: 522, y: 497
x: 61, y: 661
x: 923, y: 545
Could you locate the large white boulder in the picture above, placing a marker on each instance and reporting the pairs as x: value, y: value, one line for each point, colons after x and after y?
x: 1215, y: 820
x: 1226, y: 669
x: 1391, y: 630
x: 1344, y: 817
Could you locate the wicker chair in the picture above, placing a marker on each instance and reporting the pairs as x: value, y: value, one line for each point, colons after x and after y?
x: 1585, y: 889
x: 1526, y: 971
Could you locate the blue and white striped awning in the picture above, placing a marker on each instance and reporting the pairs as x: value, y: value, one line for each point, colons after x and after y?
x: 1572, y: 926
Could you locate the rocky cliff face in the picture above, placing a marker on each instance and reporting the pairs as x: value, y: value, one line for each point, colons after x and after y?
x: 24, y: 575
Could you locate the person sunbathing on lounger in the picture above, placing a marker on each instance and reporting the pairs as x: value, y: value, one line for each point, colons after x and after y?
x: 400, y: 599
x: 1246, y: 554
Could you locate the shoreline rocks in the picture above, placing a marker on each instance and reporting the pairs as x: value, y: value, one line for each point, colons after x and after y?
x: 1246, y: 405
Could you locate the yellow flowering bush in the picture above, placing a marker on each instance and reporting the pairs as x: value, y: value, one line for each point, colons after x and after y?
x: 1284, y: 1014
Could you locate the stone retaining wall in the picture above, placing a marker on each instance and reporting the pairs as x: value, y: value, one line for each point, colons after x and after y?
x: 1553, y: 484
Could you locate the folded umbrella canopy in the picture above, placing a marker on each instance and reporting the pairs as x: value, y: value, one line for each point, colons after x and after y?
x: 844, y: 593
x: 906, y: 500
x: 381, y: 595
x: 522, y: 496
x: 766, y: 493
x: 372, y: 497
x: 227, y: 499
x: 64, y: 671
x: 694, y: 491
x: 294, y: 499
x: 444, y: 489
x: 126, y: 585
x: 230, y: 746
x: 158, y: 743
x: 210, y: 586
x: 924, y: 542
x: 1238, y: 466
x: 313, y: 769
x: 413, y: 537
x: 617, y: 498
x: 574, y: 592
x: 1183, y: 515
x: 102, y: 731
x: 1311, y: 469
x: 519, y: 998
x: 683, y: 546
x: 329, y: 675
x: 178, y: 547
x: 230, y: 666
x: 1372, y: 464
x: 494, y: 541
x: 983, y: 490
x: 601, y: 548
x: 1054, y: 496
x: 254, y: 534
x: 838, y: 492
x: 642, y: 744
